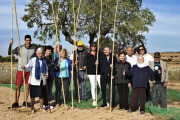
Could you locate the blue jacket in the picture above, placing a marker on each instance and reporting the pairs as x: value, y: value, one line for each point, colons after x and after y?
x: 105, y: 65
x: 69, y: 68
x: 140, y: 75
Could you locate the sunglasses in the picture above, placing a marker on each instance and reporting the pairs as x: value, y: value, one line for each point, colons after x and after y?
x: 93, y: 46
x: 141, y: 49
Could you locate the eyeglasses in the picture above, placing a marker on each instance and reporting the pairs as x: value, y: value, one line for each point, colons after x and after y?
x: 141, y: 49
x: 93, y: 46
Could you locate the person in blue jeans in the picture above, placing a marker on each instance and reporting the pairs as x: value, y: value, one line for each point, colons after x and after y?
x: 66, y: 68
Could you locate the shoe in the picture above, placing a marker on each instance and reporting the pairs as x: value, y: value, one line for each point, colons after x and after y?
x: 44, y: 107
x: 42, y: 110
x: 32, y: 112
x: 15, y: 105
x: 107, y: 103
x: 94, y: 103
x: 129, y: 111
x: 103, y: 105
x: 51, y: 107
x: 142, y: 112
x: 28, y: 104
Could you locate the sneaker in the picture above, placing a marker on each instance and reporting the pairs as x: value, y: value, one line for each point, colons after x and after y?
x: 42, y: 110
x: 32, y: 112
x: 28, y: 104
x: 44, y: 107
x: 129, y: 111
x: 51, y: 107
x: 103, y: 105
x: 107, y: 104
x: 94, y: 103
x: 15, y: 105
x: 142, y: 112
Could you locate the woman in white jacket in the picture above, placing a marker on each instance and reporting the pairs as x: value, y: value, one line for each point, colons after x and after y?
x: 37, y: 79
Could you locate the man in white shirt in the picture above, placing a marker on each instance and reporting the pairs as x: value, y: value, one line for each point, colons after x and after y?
x: 147, y: 58
x: 132, y: 59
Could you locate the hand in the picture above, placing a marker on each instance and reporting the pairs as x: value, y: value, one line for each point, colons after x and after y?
x: 159, y: 71
x: 96, y: 63
x: 112, y: 77
x: 129, y: 84
x: 150, y: 84
x: 45, y: 76
x: 165, y: 84
x: 73, y: 64
x: 124, y: 73
x: 11, y: 41
x: 84, y: 67
x: 111, y: 66
x: 59, y: 61
x: 22, y: 67
x: 76, y: 62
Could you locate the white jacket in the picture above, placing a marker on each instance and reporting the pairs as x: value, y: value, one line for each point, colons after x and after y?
x: 32, y: 79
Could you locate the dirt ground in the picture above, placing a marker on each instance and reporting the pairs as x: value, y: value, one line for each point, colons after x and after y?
x: 76, y: 114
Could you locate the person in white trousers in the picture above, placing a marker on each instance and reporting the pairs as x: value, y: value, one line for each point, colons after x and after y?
x: 91, y: 69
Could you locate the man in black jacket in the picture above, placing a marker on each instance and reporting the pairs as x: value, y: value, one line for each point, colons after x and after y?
x: 105, y: 70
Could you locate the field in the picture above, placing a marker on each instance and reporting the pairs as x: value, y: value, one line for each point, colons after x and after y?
x: 79, y: 113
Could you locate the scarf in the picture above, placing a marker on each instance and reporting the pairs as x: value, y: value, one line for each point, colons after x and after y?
x: 39, y: 70
x: 141, y: 65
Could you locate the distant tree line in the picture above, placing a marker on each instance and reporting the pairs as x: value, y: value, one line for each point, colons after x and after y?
x: 7, y: 59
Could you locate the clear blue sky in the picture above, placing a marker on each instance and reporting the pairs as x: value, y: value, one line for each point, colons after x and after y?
x: 163, y: 36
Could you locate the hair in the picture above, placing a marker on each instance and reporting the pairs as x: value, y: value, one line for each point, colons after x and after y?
x: 143, y: 48
x: 27, y: 36
x: 57, y: 45
x: 122, y: 52
x: 93, y: 44
x: 63, y: 51
x: 40, y: 49
x: 49, y: 47
x: 140, y: 56
x: 107, y: 47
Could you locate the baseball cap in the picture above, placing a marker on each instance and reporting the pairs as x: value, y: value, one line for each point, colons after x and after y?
x: 157, y: 54
x: 79, y: 43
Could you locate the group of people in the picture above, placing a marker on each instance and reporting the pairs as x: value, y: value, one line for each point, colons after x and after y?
x: 42, y: 67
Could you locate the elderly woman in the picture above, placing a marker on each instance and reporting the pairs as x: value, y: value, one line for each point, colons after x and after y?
x: 91, y: 70
x: 65, y: 73
x: 140, y: 73
x: 37, y: 79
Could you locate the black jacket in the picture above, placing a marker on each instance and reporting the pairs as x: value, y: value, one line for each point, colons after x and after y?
x: 105, y: 69
x: 90, y: 63
x: 118, y: 72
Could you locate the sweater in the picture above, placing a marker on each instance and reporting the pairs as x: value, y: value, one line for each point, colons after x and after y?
x: 90, y: 63
x: 140, y: 75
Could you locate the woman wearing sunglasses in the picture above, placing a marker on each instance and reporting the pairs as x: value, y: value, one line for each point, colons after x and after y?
x: 91, y: 69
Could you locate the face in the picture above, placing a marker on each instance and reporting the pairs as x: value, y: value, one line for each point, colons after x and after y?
x: 39, y: 54
x: 93, y: 47
x: 129, y: 51
x: 28, y: 41
x: 122, y: 57
x: 48, y: 52
x: 140, y: 59
x: 142, y: 50
x: 79, y: 47
x: 157, y: 59
x: 106, y: 51
x: 63, y: 54
x: 58, y: 47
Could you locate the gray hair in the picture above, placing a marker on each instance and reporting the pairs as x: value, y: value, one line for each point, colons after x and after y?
x: 63, y: 51
x: 140, y: 56
x: 40, y: 49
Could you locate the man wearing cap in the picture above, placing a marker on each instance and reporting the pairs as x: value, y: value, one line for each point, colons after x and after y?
x: 81, y: 63
x: 160, y: 81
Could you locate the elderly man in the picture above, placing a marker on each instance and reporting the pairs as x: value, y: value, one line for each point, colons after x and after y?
x: 160, y: 81
x: 105, y: 70
x: 132, y: 59
x: 37, y: 79
x: 81, y: 63
x: 28, y: 51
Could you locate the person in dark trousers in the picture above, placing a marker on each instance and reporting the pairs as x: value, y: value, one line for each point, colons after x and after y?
x: 51, y: 69
x: 140, y: 73
x: 160, y: 81
x: 65, y: 73
x: 123, y: 82
x: 28, y: 52
x: 147, y: 58
x: 81, y: 63
x: 91, y: 69
x: 105, y: 70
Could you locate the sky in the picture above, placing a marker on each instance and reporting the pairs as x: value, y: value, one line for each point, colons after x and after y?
x: 163, y: 36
